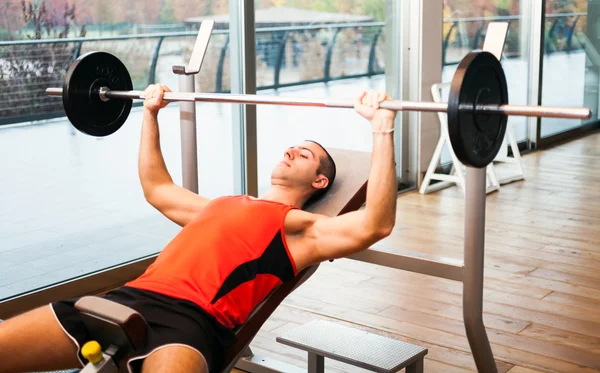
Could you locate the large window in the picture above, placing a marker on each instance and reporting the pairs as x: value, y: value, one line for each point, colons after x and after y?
x: 72, y: 204
x: 571, y: 61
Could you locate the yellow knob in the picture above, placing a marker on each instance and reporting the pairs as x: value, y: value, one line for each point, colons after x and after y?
x: 92, y: 352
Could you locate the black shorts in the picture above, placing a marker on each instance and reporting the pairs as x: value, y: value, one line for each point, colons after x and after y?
x: 170, y: 321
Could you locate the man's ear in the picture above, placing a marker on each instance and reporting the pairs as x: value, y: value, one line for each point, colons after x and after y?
x: 320, y: 182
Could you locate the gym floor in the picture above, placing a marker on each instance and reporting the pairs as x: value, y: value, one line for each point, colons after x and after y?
x: 542, y: 285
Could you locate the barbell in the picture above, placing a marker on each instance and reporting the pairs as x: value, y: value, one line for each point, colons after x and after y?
x: 97, y: 96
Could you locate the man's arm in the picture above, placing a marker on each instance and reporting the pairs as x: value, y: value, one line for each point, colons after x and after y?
x: 176, y: 203
x: 340, y: 236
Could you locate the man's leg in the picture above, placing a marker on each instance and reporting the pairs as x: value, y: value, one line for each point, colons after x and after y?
x: 175, y: 359
x: 35, y: 341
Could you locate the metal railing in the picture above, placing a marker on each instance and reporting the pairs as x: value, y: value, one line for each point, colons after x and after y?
x: 286, y: 56
x: 463, y: 37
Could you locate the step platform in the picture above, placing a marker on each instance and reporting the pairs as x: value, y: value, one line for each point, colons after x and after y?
x: 324, y: 339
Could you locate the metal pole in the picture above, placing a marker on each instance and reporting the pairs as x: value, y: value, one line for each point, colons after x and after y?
x: 473, y: 270
x: 316, y: 363
x: 189, y: 148
x: 252, y: 99
x: 242, y: 62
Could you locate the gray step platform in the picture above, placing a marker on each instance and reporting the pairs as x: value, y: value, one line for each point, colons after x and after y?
x: 366, y: 350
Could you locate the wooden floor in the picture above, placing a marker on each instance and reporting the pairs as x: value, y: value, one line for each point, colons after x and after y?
x: 542, y: 275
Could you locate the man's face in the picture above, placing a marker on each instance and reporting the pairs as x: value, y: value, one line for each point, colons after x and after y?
x: 299, y: 165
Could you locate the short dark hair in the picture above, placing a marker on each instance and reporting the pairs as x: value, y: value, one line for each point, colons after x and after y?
x: 327, y: 168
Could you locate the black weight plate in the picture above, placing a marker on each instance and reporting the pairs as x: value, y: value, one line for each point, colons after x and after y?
x: 479, y: 80
x: 84, y: 108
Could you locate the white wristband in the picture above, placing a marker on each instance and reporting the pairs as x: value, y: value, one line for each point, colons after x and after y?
x: 386, y: 131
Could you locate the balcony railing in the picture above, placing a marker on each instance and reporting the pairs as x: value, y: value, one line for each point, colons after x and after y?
x: 286, y: 56
x: 461, y: 35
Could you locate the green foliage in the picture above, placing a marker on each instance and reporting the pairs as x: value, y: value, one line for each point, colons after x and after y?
x: 167, y: 13
x: 375, y: 9
x: 325, y: 6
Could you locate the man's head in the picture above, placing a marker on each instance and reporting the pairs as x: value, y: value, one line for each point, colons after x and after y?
x: 306, y: 167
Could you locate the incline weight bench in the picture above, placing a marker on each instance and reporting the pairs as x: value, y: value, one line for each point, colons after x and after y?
x: 119, y: 329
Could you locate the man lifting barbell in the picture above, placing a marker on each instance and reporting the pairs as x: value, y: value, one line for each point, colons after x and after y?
x: 231, y: 252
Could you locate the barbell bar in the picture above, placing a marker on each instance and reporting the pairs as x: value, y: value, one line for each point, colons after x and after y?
x: 437, y: 107
x: 98, y: 92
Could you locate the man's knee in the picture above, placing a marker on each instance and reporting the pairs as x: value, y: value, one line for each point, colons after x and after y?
x: 37, y: 333
x: 176, y: 359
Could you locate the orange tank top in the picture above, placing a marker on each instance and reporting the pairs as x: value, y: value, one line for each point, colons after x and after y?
x: 226, y: 260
